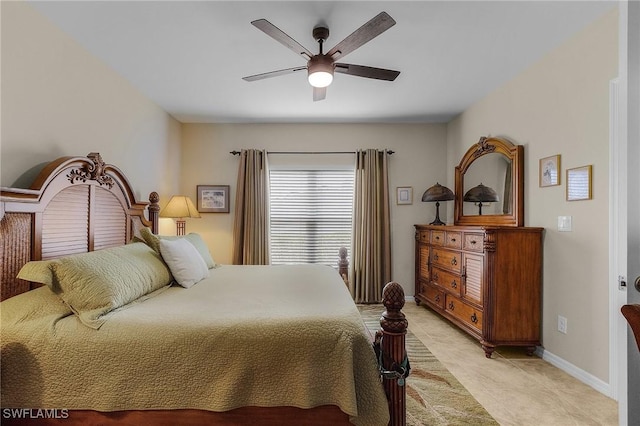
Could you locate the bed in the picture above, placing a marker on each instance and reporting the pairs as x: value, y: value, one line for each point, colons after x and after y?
x: 267, y: 344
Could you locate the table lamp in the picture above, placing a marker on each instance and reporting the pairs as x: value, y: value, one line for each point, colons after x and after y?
x: 179, y: 207
x: 437, y: 193
x: 481, y: 194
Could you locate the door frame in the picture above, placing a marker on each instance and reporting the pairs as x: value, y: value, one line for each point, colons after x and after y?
x: 624, y: 228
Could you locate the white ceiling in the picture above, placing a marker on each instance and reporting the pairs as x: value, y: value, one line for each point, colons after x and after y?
x: 189, y: 57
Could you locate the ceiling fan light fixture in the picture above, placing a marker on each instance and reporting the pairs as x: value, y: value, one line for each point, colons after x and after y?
x: 320, y: 78
x: 320, y: 69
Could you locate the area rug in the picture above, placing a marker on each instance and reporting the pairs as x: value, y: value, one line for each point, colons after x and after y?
x: 434, y: 395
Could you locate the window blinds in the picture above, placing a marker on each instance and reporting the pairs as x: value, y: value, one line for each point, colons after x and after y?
x: 310, y: 215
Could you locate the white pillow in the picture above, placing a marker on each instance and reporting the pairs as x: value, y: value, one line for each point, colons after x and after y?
x: 184, y: 261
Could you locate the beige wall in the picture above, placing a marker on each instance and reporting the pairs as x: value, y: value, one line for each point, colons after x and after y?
x: 59, y: 100
x: 561, y: 106
x: 417, y: 162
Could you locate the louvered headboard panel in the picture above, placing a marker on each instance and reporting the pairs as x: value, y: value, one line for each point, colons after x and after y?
x: 65, y: 223
x: 75, y: 205
x: 109, y: 221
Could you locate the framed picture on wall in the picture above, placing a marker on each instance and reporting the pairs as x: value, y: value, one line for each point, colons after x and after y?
x: 213, y: 198
x: 579, y: 183
x: 404, y: 195
x: 550, y: 171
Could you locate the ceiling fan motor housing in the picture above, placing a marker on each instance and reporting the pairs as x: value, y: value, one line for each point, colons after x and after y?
x: 320, y: 69
x: 320, y: 33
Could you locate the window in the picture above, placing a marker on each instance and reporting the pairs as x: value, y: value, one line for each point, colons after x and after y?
x: 310, y: 215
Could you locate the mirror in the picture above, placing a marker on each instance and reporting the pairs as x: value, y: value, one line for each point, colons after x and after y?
x: 492, y: 171
x: 497, y: 165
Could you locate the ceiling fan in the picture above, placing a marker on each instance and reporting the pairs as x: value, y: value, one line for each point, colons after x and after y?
x: 321, y: 67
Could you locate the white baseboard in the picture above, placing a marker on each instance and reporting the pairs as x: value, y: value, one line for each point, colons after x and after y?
x: 572, y: 370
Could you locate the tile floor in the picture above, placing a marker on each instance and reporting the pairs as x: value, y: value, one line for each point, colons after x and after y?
x: 515, y: 389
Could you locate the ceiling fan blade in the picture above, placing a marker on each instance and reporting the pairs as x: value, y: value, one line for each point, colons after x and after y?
x: 319, y: 93
x: 277, y: 34
x: 273, y: 74
x: 368, y: 72
x: 376, y: 26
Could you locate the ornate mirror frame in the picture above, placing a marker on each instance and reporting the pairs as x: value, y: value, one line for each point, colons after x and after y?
x: 514, y: 153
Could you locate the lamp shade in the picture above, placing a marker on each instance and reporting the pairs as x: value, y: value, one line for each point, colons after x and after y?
x: 180, y: 206
x: 438, y: 193
x: 481, y: 194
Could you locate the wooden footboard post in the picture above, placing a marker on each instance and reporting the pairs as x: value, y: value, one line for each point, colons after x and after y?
x: 394, y: 328
x: 154, y: 211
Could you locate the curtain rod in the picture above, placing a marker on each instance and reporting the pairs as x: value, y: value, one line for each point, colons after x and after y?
x: 388, y: 151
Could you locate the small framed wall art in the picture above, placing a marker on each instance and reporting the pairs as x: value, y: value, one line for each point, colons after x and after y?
x: 550, y: 171
x: 213, y: 198
x: 579, y: 183
x: 404, y: 195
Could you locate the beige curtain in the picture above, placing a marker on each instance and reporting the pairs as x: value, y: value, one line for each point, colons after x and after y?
x: 371, y: 245
x: 250, y: 225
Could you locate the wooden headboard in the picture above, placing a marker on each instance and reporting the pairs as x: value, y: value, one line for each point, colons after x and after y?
x: 75, y: 205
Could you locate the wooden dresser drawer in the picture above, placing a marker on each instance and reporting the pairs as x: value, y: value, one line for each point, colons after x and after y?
x: 453, y: 240
x: 473, y: 242
x: 434, y: 295
x: 423, y: 236
x: 437, y: 238
x: 465, y: 313
x: 446, y: 259
x: 446, y: 280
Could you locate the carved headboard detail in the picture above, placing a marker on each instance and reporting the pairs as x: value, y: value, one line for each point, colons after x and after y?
x: 75, y: 205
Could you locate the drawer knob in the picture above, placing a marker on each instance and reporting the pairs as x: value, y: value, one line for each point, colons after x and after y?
x: 454, y: 284
x: 472, y: 242
x: 438, y: 298
x: 474, y: 318
x: 454, y: 261
x: 435, y: 276
x: 453, y: 240
x: 451, y: 306
x: 437, y: 238
x: 435, y: 257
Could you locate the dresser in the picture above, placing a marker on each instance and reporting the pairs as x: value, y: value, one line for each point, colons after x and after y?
x: 486, y: 280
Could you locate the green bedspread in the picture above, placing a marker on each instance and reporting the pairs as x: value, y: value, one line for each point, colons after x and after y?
x: 246, y: 336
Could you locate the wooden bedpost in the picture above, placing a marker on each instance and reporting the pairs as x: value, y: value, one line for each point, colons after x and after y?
x: 394, y: 328
x: 154, y: 211
x: 343, y: 265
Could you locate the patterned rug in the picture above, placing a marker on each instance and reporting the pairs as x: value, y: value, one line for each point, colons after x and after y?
x: 434, y: 395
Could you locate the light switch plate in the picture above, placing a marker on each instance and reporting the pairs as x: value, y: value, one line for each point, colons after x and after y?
x: 564, y: 223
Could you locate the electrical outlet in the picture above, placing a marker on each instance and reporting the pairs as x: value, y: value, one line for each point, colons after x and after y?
x: 562, y: 324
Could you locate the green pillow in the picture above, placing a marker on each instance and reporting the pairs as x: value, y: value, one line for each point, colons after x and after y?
x: 151, y: 239
x: 39, y: 271
x: 95, y: 283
